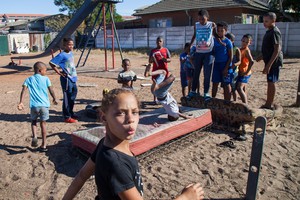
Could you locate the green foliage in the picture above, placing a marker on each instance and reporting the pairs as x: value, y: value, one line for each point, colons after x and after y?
x: 73, y: 5
x: 47, y: 39
x: 290, y: 9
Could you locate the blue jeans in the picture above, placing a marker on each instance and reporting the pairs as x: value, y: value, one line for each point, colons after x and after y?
x: 163, y: 91
x: 69, y: 95
x: 206, y: 60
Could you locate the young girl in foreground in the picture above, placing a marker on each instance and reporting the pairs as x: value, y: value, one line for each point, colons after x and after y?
x: 116, y: 170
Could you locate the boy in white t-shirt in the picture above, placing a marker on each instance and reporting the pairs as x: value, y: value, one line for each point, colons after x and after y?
x: 160, y: 89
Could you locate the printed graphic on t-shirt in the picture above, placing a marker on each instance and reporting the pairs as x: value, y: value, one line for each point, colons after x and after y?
x: 203, y: 38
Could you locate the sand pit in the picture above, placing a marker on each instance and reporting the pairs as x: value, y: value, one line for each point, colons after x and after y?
x: 27, y: 174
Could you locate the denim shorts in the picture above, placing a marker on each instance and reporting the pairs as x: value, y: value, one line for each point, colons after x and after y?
x: 42, y: 112
x: 244, y: 79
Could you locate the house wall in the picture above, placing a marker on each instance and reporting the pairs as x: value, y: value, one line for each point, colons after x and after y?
x: 181, y: 18
x: 176, y: 37
x: 17, y: 41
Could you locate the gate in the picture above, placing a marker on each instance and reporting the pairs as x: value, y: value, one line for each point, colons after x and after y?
x: 3, y: 45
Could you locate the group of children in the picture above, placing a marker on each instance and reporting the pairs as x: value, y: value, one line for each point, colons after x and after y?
x: 224, y: 63
x: 116, y: 170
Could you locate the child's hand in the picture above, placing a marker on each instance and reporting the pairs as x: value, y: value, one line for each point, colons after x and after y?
x: 54, y: 102
x: 192, y: 191
x: 225, y: 72
x: 20, y: 106
x: 164, y: 60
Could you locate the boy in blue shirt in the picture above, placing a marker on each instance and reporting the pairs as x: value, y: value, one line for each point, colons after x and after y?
x: 68, y: 79
x: 38, y: 84
x: 222, y: 72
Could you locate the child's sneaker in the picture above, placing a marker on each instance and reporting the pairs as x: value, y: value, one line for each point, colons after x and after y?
x: 192, y: 94
x: 206, y: 96
x: 71, y: 120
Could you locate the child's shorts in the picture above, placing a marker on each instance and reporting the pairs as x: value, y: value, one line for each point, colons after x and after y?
x: 229, y: 79
x: 217, y: 75
x: 183, y: 79
x: 189, y: 73
x: 234, y: 81
x: 42, y: 112
x: 273, y: 75
x: 244, y: 79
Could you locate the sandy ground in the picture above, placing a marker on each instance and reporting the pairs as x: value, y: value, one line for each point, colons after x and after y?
x: 223, y: 172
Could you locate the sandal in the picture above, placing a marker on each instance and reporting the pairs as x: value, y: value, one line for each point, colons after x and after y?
x: 34, y: 142
x: 228, y: 143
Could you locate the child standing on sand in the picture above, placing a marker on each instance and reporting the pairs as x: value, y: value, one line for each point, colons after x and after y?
x: 272, y: 56
x: 222, y: 72
x: 38, y: 86
x: 116, y: 170
x: 68, y: 79
x: 236, y: 61
x: 187, y: 68
x: 245, y: 67
x: 126, y: 77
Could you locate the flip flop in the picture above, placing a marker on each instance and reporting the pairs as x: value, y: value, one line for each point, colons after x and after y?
x: 34, y: 142
x: 42, y: 149
x: 228, y: 143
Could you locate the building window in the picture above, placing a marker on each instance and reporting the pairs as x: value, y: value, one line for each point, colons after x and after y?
x: 158, y: 23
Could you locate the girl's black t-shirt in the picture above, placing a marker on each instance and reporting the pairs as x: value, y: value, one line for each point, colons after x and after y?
x: 115, y: 172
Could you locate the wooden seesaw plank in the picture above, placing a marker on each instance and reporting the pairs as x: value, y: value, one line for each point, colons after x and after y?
x: 153, y: 130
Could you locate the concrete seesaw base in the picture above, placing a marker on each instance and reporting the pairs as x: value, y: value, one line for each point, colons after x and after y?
x: 153, y: 130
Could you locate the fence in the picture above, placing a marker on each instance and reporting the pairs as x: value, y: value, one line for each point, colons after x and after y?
x: 176, y: 37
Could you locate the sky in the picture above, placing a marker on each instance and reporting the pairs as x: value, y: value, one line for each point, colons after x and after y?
x: 47, y: 6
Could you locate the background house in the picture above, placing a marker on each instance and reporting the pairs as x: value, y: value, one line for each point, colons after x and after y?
x: 168, y: 13
x: 10, y: 18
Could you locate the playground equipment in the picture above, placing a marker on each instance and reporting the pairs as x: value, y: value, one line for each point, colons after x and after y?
x: 298, y: 93
x: 153, y: 130
x: 83, y: 12
x: 93, y: 32
x: 256, y: 156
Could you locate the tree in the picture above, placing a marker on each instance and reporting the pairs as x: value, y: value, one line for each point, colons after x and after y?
x: 290, y: 9
x: 73, y: 5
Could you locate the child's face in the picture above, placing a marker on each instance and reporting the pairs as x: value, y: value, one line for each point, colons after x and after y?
x: 202, y: 20
x: 43, y: 71
x: 221, y: 31
x: 122, y: 117
x: 159, y: 43
x: 245, y: 42
x: 186, y: 49
x: 268, y: 22
x: 126, y: 65
x: 68, y: 46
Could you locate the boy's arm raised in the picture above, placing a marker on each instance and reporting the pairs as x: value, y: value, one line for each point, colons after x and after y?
x: 21, y: 105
